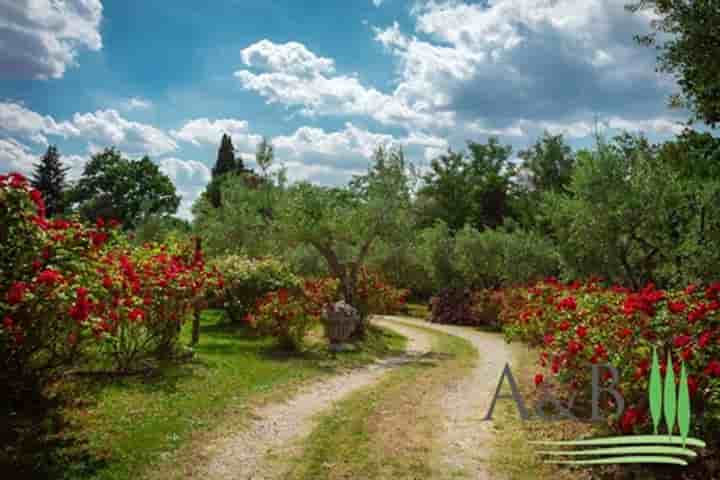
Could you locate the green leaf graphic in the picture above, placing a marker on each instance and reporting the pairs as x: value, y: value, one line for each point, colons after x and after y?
x: 626, y: 440
x: 684, y: 405
x: 630, y: 459
x: 645, y: 450
x: 655, y: 392
x: 670, y: 396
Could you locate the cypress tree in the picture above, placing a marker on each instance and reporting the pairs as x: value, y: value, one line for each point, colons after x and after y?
x: 49, y: 179
x: 225, y: 164
x: 226, y: 157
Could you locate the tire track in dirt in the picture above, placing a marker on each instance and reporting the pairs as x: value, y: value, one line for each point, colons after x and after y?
x: 466, y: 441
x: 277, y: 430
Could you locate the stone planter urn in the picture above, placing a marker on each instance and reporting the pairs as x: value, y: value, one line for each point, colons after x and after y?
x: 340, y: 320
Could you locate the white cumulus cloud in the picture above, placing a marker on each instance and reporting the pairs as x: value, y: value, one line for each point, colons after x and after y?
x: 42, y: 38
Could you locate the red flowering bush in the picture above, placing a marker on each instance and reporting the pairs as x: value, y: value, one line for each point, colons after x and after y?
x: 375, y: 295
x: 584, y: 323
x: 69, y: 290
x: 288, y: 314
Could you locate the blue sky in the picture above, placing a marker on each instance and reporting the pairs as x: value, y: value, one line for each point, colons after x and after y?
x: 326, y: 81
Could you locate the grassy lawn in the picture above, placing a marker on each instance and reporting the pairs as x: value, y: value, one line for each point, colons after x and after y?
x: 130, y: 427
x: 386, y: 431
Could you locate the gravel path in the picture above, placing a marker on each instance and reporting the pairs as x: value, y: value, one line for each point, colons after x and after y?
x: 465, y: 441
x: 276, y: 432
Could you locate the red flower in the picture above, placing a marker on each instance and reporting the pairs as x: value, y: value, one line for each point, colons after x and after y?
x: 630, y: 418
x: 704, y: 339
x: 107, y: 282
x: 567, y: 303
x: 677, y: 307
x: 692, y: 384
x: 80, y: 310
x: 17, y: 180
x: 283, y: 296
x: 713, y: 368
x: 624, y: 332
x: 49, y: 277
x: 690, y: 288
x: 574, y: 347
x: 564, y: 326
x: 687, y: 354
x: 98, y: 238
x: 8, y: 322
x: 697, y: 313
x: 16, y: 294
x: 549, y: 338
x: 581, y: 331
x: 100, y: 223
x: 681, y: 340
x: 136, y: 314
x: 539, y: 379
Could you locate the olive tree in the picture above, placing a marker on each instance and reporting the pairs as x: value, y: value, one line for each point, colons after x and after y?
x: 343, y: 224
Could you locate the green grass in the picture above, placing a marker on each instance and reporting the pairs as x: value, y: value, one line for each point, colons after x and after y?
x: 386, y: 431
x: 418, y: 311
x: 131, y: 425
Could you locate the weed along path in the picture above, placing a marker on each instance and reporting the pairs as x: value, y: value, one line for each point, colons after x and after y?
x: 277, y: 429
x: 466, y: 441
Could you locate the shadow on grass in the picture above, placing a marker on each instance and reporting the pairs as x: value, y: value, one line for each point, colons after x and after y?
x: 37, y: 442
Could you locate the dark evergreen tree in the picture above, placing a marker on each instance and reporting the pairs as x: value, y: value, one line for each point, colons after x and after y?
x: 225, y: 164
x: 49, y: 179
x: 226, y: 157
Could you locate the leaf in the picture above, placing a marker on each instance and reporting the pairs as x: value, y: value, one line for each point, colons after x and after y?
x: 670, y: 396
x: 655, y: 392
x: 684, y: 405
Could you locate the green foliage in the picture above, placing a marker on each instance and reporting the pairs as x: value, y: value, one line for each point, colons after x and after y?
x: 689, y: 49
x: 49, y: 178
x: 487, y: 259
x: 243, y: 223
x: 500, y: 257
x: 548, y: 163
x: 468, y: 188
x: 127, y: 190
x: 159, y: 228
x: 247, y: 280
x: 633, y: 218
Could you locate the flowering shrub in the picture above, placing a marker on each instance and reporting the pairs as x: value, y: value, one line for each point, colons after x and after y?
x: 68, y: 290
x: 461, y: 306
x: 581, y: 323
x: 377, y: 296
x: 453, y: 306
x: 246, y: 280
x: 288, y: 314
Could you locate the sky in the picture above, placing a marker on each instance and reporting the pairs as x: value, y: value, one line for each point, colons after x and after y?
x: 326, y: 81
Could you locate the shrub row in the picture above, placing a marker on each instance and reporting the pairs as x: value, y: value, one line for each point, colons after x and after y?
x: 72, y: 293
x: 578, y: 324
